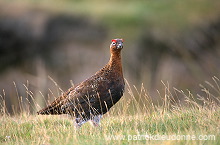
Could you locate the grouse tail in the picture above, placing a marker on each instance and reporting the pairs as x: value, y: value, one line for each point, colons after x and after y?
x: 54, y: 108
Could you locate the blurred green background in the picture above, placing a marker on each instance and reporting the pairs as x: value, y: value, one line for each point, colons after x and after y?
x: 171, y: 41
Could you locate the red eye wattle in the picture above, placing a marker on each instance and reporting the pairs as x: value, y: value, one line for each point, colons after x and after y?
x: 114, y: 40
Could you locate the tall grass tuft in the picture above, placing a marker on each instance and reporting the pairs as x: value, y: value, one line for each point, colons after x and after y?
x: 135, y: 119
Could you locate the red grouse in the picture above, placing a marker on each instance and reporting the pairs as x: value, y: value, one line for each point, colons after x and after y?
x: 93, y: 97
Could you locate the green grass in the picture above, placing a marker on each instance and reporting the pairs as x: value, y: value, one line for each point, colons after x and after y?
x: 127, y: 123
x: 31, y: 129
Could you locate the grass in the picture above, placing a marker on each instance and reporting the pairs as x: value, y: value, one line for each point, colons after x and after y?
x: 127, y: 123
x: 31, y: 129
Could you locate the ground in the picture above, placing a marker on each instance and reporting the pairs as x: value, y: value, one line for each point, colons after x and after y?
x: 182, y: 125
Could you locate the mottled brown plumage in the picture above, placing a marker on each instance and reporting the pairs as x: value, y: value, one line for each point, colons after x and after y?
x: 94, y: 96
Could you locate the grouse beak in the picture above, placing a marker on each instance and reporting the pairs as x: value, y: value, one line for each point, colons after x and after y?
x: 119, y: 46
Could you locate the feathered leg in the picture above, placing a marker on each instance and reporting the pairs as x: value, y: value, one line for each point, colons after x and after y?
x: 79, y: 122
x: 96, y: 120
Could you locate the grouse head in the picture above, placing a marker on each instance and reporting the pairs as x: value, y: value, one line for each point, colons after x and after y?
x: 116, y: 45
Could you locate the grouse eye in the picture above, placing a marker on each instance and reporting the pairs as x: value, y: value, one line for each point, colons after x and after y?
x: 113, y: 43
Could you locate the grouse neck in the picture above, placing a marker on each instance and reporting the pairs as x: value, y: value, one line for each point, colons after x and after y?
x: 115, y: 58
x: 115, y: 62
